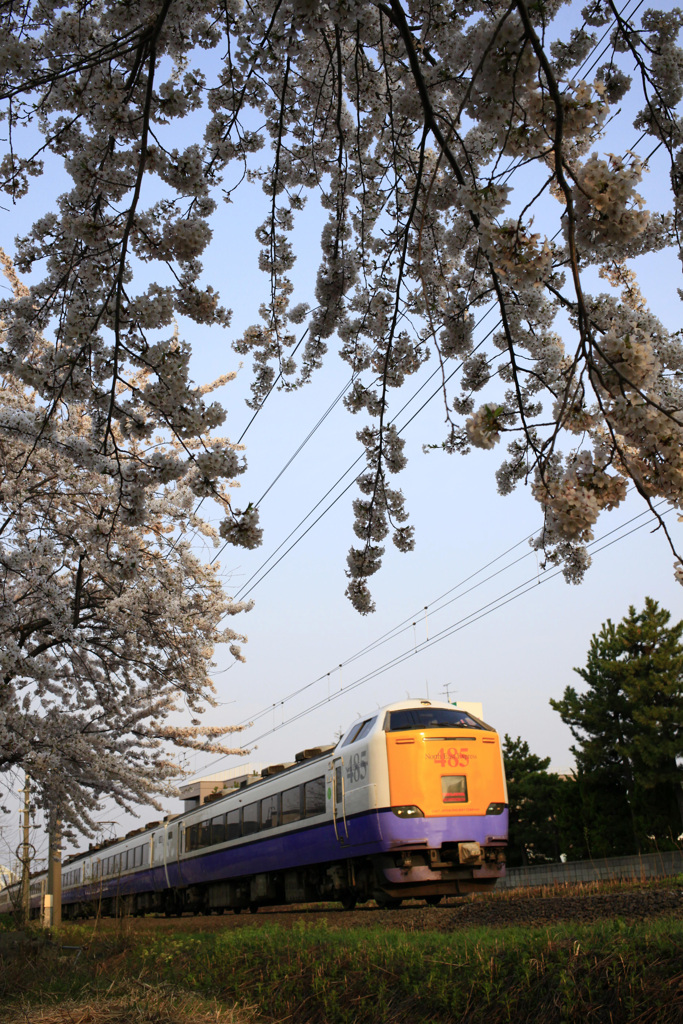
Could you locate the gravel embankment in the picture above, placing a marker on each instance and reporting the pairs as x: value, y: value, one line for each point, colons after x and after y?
x: 526, y: 908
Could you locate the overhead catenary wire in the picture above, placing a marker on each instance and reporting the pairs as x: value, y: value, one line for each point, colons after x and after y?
x: 607, y: 540
x: 283, y: 470
x: 604, y: 35
x: 468, y: 620
x: 434, y: 607
x: 245, y: 590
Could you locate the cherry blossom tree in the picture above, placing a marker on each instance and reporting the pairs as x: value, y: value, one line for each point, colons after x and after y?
x: 458, y: 152
x: 107, y: 623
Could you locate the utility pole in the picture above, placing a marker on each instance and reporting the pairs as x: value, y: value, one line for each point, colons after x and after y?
x: 25, y: 890
x: 54, y: 872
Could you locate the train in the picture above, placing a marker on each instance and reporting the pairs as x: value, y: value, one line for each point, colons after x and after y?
x: 411, y: 803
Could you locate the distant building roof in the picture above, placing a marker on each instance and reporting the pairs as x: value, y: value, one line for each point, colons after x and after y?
x: 7, y: 877
x: 195, y: 793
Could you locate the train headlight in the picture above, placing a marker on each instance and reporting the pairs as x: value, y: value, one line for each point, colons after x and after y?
x: 411, y: 811
x: 495, y: 808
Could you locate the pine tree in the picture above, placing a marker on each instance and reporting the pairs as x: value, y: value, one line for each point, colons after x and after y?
x: 629, y: 730
x: 539, y: 828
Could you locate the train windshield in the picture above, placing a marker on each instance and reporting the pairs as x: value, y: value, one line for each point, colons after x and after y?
x: 430, y: 718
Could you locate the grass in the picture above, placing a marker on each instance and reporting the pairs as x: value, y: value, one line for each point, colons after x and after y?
x: 131, y: 1005
x: 612, y: 971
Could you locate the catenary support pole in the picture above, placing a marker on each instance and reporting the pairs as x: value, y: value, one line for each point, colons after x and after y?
x: 54, y: 872
x: 25, y: 898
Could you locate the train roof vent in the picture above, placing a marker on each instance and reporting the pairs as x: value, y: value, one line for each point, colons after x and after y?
x: 311, y: 752
x: 275, y: 769
x: 153, y: 824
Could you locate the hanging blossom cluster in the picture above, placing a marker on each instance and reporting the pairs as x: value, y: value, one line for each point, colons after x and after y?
x: 460, y: 154
x: 107, y: 627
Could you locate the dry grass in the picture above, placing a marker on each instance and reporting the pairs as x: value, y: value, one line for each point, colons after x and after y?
x: 136, y: 1004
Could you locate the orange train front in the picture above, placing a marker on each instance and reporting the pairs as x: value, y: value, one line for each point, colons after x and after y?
x: 441, y: 797
x: 410, y: 803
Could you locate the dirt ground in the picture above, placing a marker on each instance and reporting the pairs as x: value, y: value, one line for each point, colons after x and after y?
x: 520, y: 907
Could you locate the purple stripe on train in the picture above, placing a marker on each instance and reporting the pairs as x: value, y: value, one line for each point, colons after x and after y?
x: 370, y: 833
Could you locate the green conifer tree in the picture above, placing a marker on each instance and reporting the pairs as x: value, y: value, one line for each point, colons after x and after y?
x: 628, y: 726
x: 542, y: 824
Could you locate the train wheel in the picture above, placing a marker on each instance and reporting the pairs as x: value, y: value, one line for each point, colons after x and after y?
x: 237, y: 910
x: 432, y: 901
x: 253, y: 908
x: 386, y: 902
x: 349, y: 901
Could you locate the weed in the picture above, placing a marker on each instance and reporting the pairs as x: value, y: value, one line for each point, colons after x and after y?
x: 610, y: 971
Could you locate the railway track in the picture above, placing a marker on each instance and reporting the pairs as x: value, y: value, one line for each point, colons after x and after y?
x: 528, y: 908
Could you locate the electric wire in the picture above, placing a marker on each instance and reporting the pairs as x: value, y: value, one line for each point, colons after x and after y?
x: 433, y: 607
x: 596, y: 546
x: 468, y: 620
x: 246, y: 589
x: 392, y: 633
x: 243, y: 592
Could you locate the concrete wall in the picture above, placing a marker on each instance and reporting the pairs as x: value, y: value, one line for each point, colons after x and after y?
x: 648, y: 865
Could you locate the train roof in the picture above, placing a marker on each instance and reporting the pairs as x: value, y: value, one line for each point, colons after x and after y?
x: 305, y: 757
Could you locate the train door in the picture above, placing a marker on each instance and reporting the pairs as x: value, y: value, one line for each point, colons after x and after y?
x: 168, y: 837
x: 158, y: 859
x: 173, y: 850
x: 339, y: 800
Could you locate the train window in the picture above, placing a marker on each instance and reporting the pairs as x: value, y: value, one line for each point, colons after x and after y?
x: 233, y: 824
x: 430, y: 718
x: 338, y: 785
x: 192, y: 837
x: 138, y: 856
x: 270, y: 811
x: 218, y: 829
x: 314, y: 797
x: 291, y: 805
x: 250, y: 819
x: 205, y: 833
x: 116, y: 864
x: 124, y: 861
x: 367, y: 726
x: 454, y: 789
x: 145, y: 854
x: 354, y: 734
